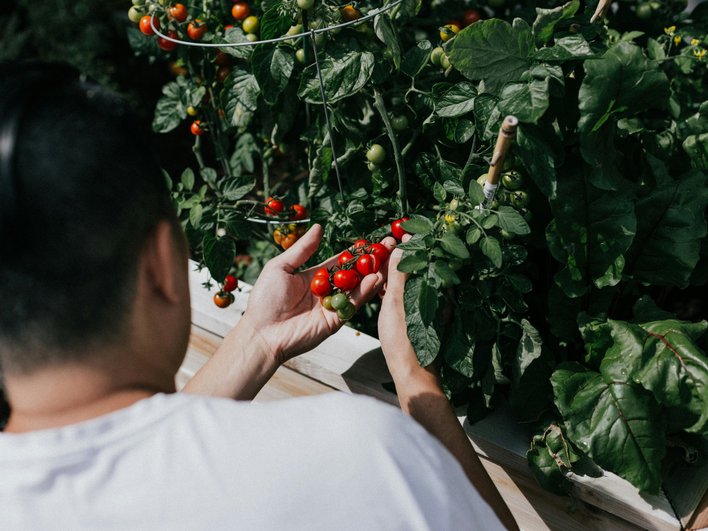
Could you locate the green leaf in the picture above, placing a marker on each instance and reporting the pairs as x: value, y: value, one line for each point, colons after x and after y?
x: 546, y: 471
x: 416, y: 243
x: 454, y: 188
x: 546, y: 20
x: 670, y: 225
x: 662, y: 356
x: 510, y: 220
x: 454, y: 246
x: 241, y: 97
x: 424, y: 338
x: 195, y: 215
x: 696, y: 147
x: 272, y: 66
x: 343, y: 75
x: 427, y: 303
x: 538, y: 157
x: 441, y: 271
x: 274, y: 23
x: 387, y: 35
x: 410, y: 263
x: 232, y: 36
x: 476, y: 193
x: 473, y: 235
x: 621, y: 83
x: 416, y: 59
x: 527, y: 101
x: 617, y: 424
x: 457, y: 100
x: 573, y: 47
x: 492, y: 250
x: 218, y: 255
x: 530, y: 389
x: 235, y: 189
x: 494, y: 51
x: 459, y: 350
x: 418, y: 225
x: 591, y: 231
x: 187, y: 179
x: 169, y: 111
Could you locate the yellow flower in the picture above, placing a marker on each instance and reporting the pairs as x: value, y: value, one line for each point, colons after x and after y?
x: 700, y: 53
x: 677, y: 39
x: 695, y: 42
x: 670, y: 31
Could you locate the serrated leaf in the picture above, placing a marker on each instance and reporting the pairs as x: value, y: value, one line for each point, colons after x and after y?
x: 387, y: 35
x: 454, y: 246
x: 272, y: 66
x: 458, y: 100
x: 187, y: 179
x: 418, y: 225
x: 492, y: 250
x: 343, y: 76
x: 233, y: 36
x: 490, y: 220
x: 510, y: 220
x: 236, y: 189
x: 476, y: 193
x: 547, y: 19
x: 439, y: 192
x: 274, y: 23
x: 195, y: 215
x: 218, y: 255
x: 617, y: 424
x: 473, y: 235
x: 410, y: 263
x: 416, y: 58
x: 424, y: 338
x: 416, y: 243
x: 241, y: 97
x: 527, y: 101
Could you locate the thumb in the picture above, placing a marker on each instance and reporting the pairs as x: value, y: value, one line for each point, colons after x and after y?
x: 396, y: 280
x: 301, y: 250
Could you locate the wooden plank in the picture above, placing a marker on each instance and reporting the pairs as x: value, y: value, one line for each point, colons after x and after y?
x: 351, y: 361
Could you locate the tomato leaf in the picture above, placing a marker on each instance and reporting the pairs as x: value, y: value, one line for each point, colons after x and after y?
x: 424, y: 337
x: 232, y: 36
x: 387, y: 35
x: 272, y: 67
x: 218, y: 255
x: 618, y: 424
x: 416, y: 59
x: 418, y: 225
x: 410, y: 263
x: 527, y: 101
x: 457, y: 100
x: 493, y: 50
x: 510, y: 220
x: 492, y: 250
x: 343, y: 75
x: 273, y: 22
x: 476, y: 193
x: 454, y: 246
x: 547, y: 19
x: 241, y: 97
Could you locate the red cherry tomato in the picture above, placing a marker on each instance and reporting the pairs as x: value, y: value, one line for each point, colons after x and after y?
x: 299, y: 212
x: 145, y: 26
x: 222, y: 59
x: 196, y: 29
x: 228, y: 27
x: 320, y: 286
x: 346, y: 279
x: 360, y: 243
x: 196, y: 128
x: 178, y: 12
x: 322, y: 272
x: 240, y: 10
x: 166, y: 45
x: 274, y: 206
x: 396, y: 228
x: 223, y: 299
x: 367, y: 264
x: 344, y: 258
x: 379, y: 251
x: 230, y: 283
x: 289, y: 241
x: 471, y: 16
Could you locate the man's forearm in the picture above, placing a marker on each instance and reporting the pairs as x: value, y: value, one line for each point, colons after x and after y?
x: 240, y: 367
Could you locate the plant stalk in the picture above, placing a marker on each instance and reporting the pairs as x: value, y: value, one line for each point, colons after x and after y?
x: 380, y: 106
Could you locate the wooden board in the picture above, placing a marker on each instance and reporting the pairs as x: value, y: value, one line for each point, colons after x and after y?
x: 351, y: 361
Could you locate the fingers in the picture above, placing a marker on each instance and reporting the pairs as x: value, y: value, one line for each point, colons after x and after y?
x: 301, y: 250
x: 395, y: 280
x: 369, y: 286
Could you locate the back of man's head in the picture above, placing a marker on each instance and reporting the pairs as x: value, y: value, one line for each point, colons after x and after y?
x: 80, y: 191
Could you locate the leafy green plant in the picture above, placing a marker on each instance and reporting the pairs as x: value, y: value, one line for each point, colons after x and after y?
x: 572, y: 293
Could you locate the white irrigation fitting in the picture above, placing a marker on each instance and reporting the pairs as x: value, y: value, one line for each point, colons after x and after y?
x: 369, y: 16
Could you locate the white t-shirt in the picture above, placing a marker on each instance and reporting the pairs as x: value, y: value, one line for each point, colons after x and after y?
x: 331, y: 462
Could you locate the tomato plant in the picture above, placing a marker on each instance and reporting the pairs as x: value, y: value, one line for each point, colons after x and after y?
x: 581, y: 278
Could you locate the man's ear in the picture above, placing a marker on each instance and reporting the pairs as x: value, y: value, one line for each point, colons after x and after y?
x: 163, y: 262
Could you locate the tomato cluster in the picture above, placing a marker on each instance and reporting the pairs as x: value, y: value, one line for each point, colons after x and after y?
x: 331, y: 285
x: 225, y: 297
x: 288, y: 233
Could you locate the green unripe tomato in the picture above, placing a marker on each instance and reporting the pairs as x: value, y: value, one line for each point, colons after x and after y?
x: 399, y: 123
x: 295, y: 30
x: 250, y: 24
x: 644, y: 11
x: 251, y: 37
x: 376, y: 154
x: 305, y: 4
x: 505, y: 234
x: 327, y: 303
x: 339, y: 301
x: 519, y: 199
x: 494, y: 205
x: 436, y: 55
x: 135, y: 14
x: 139, y: 3
x: 454, y: 204
x: 300, y: 56
x: 512, y: 180
x: 347, y: 312
x: 445, y: 62
x: 482, y: 179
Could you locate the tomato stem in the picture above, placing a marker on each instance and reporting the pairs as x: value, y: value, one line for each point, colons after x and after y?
x: 402, y: 191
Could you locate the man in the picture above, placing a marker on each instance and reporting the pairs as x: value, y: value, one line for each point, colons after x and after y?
x: 94, y: 324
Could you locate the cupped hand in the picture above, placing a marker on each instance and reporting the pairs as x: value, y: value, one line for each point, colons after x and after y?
x: 286, y: 314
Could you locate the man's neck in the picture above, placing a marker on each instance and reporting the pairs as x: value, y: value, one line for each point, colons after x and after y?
x: 60, y: 396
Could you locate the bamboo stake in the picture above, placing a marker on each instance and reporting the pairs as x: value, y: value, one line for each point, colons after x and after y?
x: 507, y: 133
x: 602, y: 7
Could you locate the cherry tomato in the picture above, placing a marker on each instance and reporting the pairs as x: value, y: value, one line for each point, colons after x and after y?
x: 344, y: 258
x: 339, y: 300
x: 347, y: 312
x: 350, y: 13
x: 222, y: 59
x: 322, y: 272
x: 399, y: 123
x: 240, y: 10
x: 135, y: 14
x: 346, y: 279
x: 436, y: 55
x: 300, y: 230
x: 305, y: 4
x: 196, y: 29
x: 178, y: 12
x: 196, y: 128
x: 326, y: 303
x: 289, y: 241
x: 251, y: 37
x: 471, y: 16
x: 367, y: 264
x: 278, y: 236
x: 320, y: 286
x: 512, y: 180
x: 482, y: 179
x: 519, y: 199
x: 166, y: 45
x: 644, y: 11
x: 222, y: 73
x: 191, y: 111
x: 223, y: 299
x: 145, y: 26
x: 379, y: 251
x: 228, y: 27
x: 298, y: 212
x: 300, y: 56
x: 376, y: 154
x: 445, y: 62
x: 396, y: 228
x: 250, y: 24
x: 448, y: 31
x: 360, y: 243
x: 274, y: 206
x: 230, y: 283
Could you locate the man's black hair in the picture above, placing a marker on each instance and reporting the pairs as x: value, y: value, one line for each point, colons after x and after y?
x: 80, y: 191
